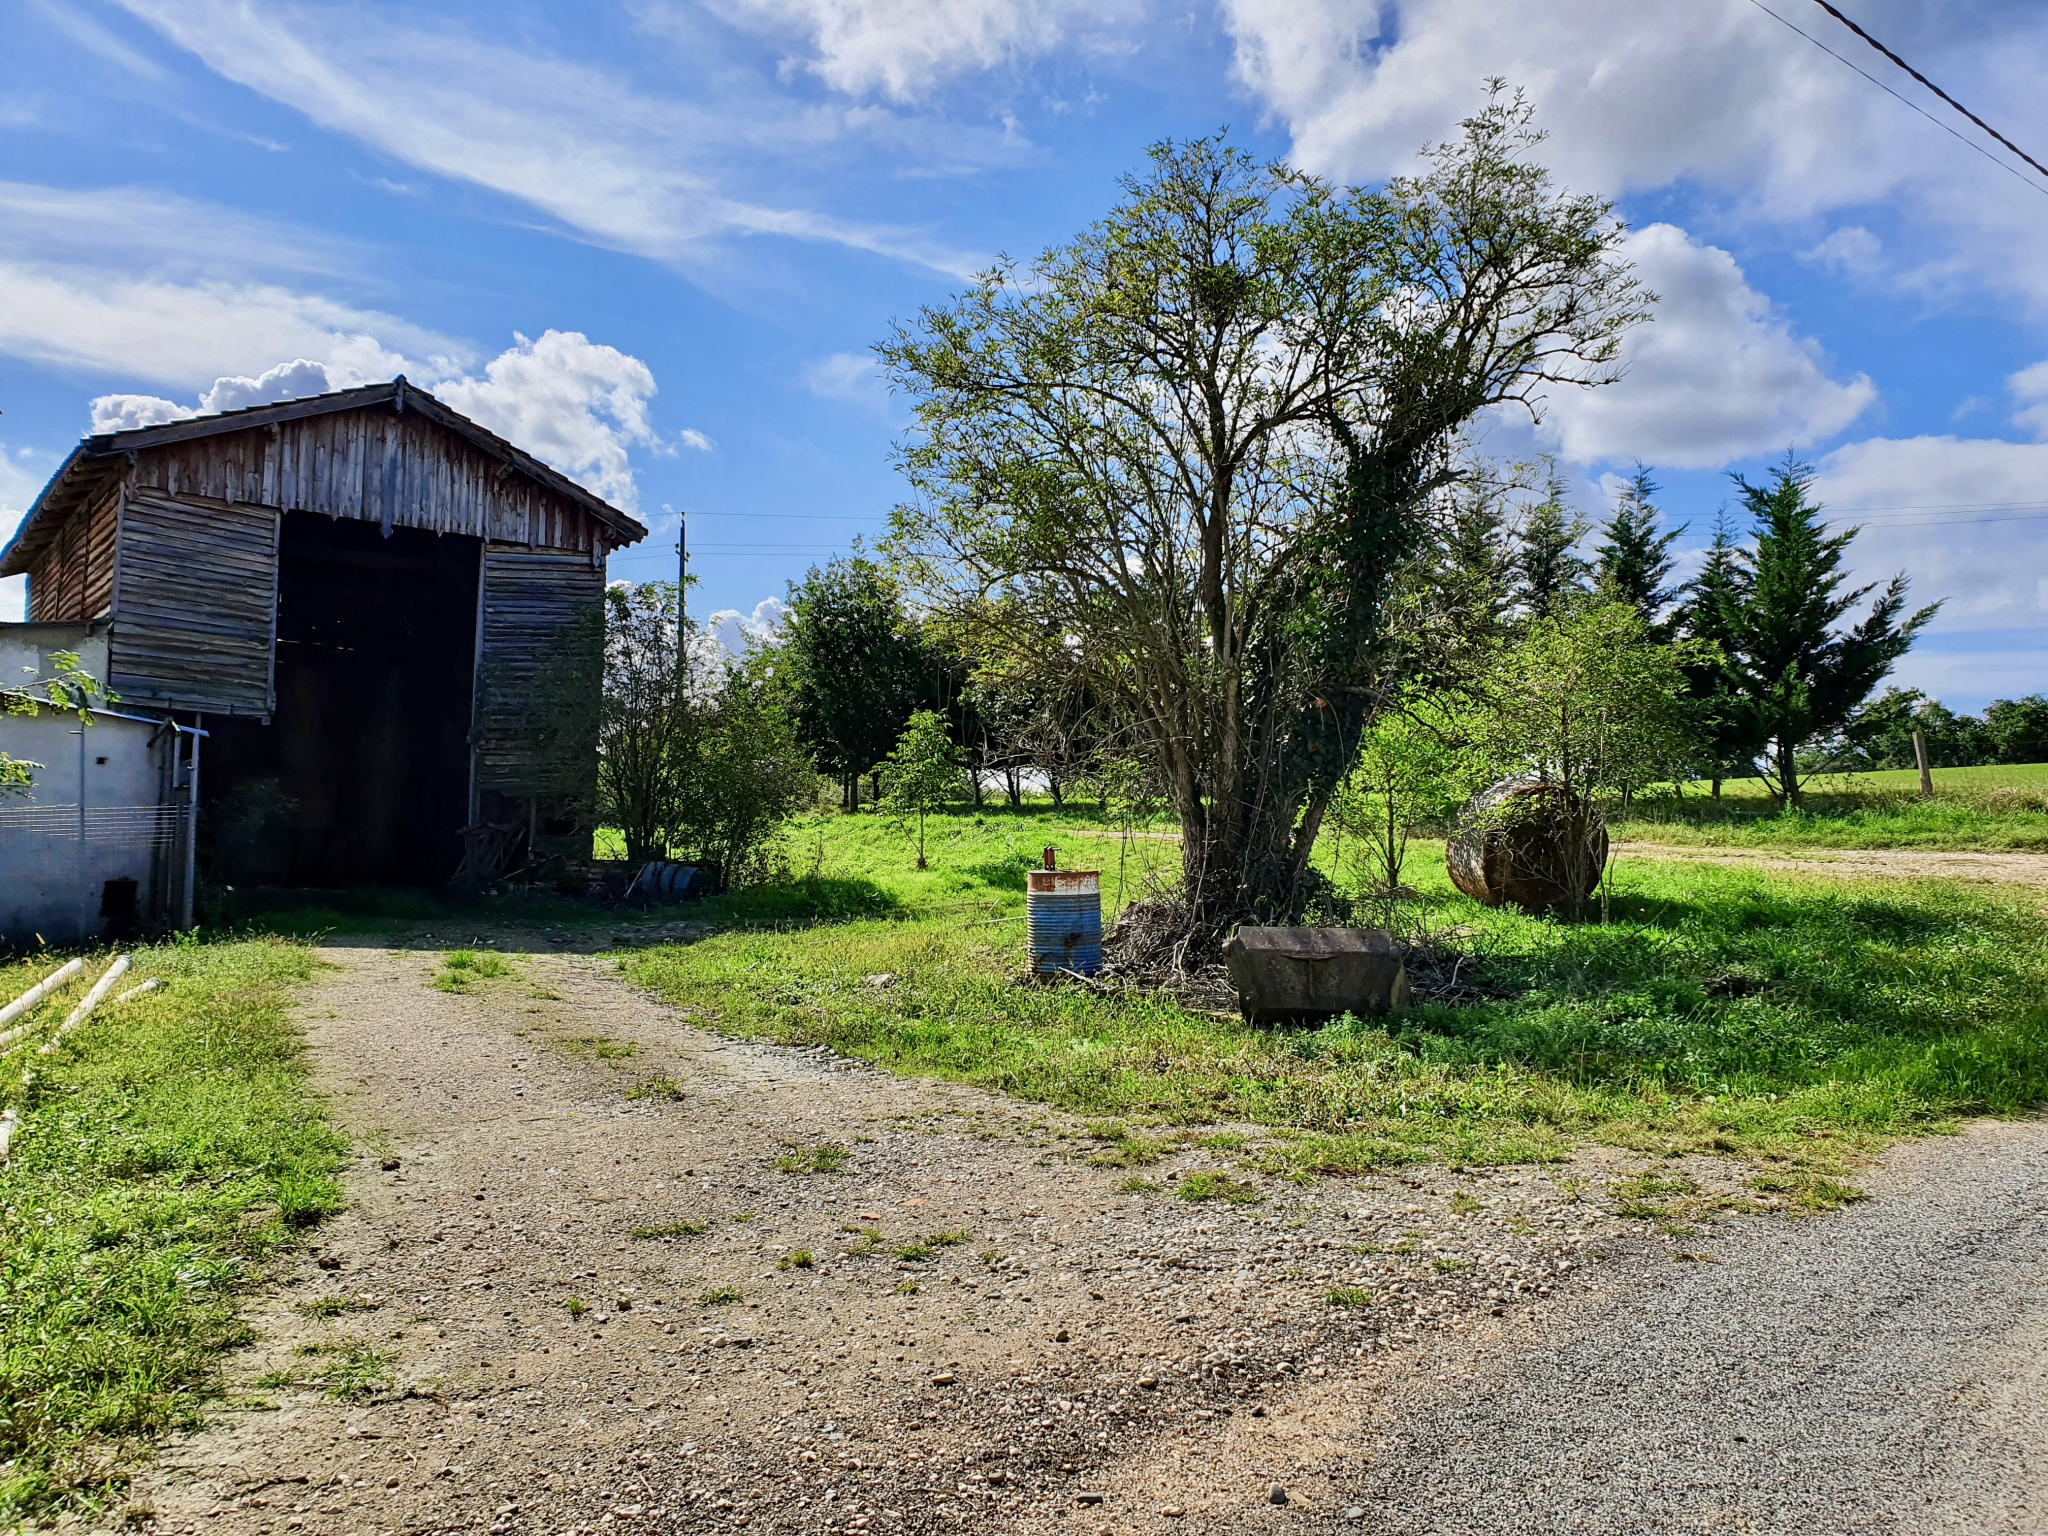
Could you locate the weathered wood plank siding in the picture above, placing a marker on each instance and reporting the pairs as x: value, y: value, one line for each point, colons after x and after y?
x: 195, y: 613
x: 75, y: 582
x: 401, y: 470
x: 539, y: 659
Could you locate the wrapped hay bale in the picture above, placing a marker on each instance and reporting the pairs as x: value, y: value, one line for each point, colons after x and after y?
x: 1529, y: 844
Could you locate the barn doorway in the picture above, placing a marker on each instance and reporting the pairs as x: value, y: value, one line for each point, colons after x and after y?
x: 366, y: 760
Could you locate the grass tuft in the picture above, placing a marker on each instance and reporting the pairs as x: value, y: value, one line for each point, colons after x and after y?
x: 1217, y: 1186
x: 671, y: 1229
x: 660, y: 1086
x: 821, y: 1159
x: 720, y: 1296
x: 164, y: 1154
x: 801, y: 1259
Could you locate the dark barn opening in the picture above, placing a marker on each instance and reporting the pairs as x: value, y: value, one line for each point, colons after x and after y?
x: 376, y: 642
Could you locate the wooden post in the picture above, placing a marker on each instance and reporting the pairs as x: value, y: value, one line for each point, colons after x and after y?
x: 1920, y: 756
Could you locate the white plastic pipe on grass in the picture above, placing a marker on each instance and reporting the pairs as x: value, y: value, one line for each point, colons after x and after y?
x: 148, y: 986
x: 34, y: 995
x: 83, y: 1011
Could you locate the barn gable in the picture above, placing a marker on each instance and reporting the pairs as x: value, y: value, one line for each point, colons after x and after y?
x: 446, y: 550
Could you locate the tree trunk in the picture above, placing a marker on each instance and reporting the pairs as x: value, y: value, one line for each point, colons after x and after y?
x: 1052, y: 783
x: 1014, y: 787
x: 1717, y: 789
x: 1788, y: 774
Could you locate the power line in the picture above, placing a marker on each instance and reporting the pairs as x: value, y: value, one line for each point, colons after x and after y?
x: 1944, y: 95
x: 1961, y: 138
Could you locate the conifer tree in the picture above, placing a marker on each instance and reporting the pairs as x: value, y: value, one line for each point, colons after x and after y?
x: 1798, y: 676
x: 1635, y: 563
x: 1473, y: 584
x: 1710, y: 613
x: 1549, y: 571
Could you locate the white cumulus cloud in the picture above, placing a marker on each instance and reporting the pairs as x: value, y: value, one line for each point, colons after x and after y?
x: 575, y: 403
x: 1715, y: 377
x: 740, y: 632
x: 1711, y: 95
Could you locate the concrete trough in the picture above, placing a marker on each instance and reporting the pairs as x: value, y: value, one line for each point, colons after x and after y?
x: 1287, y: 974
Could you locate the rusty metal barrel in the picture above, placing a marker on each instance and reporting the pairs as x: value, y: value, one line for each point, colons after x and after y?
x: 1063, y: 920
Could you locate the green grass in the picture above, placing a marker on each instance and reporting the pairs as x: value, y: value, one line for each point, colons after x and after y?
x: 1217, y: 1186
x: 720, y: 1296
x: 1992, y: 809
x: 166, y: 1151
x: 462, y: 969
x: 1779, y: 1017
x: 660, y: 1086
x: 672, y: 1229
x: 823, y: 1159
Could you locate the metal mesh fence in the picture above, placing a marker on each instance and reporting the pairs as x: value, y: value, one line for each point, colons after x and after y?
x: 57, y: 862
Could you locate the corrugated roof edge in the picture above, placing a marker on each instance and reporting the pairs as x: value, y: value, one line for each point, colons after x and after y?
x: 404, y: 395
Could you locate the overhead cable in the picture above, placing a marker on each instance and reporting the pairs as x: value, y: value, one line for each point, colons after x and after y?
x: 1944, y: 95
x: 1961, y: 138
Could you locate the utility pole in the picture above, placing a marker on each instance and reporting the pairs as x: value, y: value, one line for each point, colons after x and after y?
x: 683, y: 603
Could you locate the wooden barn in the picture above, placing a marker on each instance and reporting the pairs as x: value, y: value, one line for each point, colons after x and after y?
x: 386, y: 619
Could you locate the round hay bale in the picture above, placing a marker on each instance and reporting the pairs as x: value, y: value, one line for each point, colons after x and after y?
x: 1523, y: 843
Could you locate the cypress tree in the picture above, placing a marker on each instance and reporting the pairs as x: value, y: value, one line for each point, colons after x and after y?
x: 1548, y: 569
x: 1474, y: 578
x: 1798, y: 676
x: 1710, y: 613
x: 1635, y: 563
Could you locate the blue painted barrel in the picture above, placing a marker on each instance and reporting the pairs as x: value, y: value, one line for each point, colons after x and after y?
x: 1063, y: 920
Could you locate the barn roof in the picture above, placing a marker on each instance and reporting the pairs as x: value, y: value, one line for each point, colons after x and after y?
x: 98, y: 459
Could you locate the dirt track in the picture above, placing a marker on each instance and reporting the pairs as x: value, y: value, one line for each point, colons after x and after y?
x: 1084, y: 1360
x: 1075, y: 1333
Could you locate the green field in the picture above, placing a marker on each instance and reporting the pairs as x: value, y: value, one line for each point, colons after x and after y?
x: 1995, y: 808
x: 165, y: 1150
x: 1790, y: 1020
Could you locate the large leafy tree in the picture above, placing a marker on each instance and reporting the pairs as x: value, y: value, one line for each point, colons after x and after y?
x: 852, y: 666
x: 643, y: 718
x: 1797, y: 675
x: 2018, y: 729
x: 1198, y: 441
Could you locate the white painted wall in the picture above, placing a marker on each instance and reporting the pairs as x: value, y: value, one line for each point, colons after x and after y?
x: 51, y: 880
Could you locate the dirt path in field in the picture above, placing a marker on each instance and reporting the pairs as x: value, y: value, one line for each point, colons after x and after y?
x: 1865, y: 863
x: 1082, y: 1359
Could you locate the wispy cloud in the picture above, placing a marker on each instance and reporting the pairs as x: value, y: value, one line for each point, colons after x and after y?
x: 651, y: 175
x: 906, y: 50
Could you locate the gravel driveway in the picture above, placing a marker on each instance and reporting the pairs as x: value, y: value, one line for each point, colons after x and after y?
x: 596, y: 1277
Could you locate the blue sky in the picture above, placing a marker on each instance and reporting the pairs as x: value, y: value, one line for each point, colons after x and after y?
x: 652, y: 241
